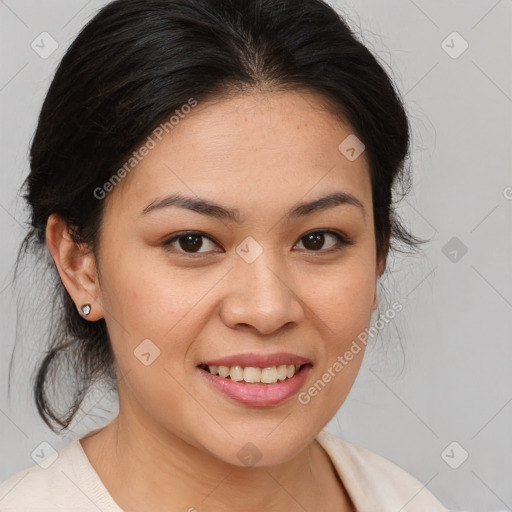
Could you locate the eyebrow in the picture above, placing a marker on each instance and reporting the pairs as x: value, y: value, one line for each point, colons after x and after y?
x: 212, y: 209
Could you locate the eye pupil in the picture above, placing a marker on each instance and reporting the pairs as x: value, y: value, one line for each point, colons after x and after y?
x: 317, y: 240
x: 191, y: 242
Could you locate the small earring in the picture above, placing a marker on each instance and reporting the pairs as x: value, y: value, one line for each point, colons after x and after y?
x: 86, y: 309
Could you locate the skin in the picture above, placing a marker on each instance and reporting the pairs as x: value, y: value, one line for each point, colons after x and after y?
x: 174, y: 444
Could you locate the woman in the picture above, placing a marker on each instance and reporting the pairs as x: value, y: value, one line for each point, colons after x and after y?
x: 213, y: 181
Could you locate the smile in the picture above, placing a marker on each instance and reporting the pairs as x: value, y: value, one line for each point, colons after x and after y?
x: 257, y: 380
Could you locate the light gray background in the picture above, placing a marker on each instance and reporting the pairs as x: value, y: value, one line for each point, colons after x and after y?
x: 456, y: 322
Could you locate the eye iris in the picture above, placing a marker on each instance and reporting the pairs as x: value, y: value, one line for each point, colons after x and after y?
x: 191, y: 242
x: 317, y: 240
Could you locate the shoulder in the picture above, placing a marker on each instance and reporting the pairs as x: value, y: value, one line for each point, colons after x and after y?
x: 374, y: 481
x: 59, y: 482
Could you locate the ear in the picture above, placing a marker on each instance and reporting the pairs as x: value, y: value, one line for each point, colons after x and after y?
x: 381, y: 266
x: 76, y: 267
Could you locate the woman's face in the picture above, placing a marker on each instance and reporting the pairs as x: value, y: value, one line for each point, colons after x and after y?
x: 251, y: 288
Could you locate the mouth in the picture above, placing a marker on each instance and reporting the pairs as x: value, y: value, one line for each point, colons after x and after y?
x: 254, y: 374
x: 255, y: 380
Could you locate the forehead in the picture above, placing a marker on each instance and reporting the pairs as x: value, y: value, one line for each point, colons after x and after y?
x: 265, y: 145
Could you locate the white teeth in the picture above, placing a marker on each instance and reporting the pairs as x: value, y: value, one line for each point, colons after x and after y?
x: 236, y: 373
x: 252, y: 374
x: 281, y: 372
x: 223, y: 371
x: 269, y: 375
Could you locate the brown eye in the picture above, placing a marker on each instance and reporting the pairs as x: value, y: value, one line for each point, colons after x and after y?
x: 187, y: 242
x: 315, y: 241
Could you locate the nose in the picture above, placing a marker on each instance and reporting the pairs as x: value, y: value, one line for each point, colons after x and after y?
x: 261, y: 297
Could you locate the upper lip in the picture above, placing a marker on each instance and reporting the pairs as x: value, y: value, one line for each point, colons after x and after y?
x: 258, y: 360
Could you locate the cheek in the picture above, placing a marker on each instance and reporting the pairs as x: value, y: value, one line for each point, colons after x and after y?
x: 157, y: 309
x: 141, y: 292
x: 342, y: 297
x: 343, y: 308
x: 350, y: 310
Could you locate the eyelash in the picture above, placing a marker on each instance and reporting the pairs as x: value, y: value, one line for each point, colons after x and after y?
x: 342, y: 242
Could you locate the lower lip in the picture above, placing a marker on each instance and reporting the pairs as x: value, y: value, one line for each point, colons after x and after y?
x: 259, y: 395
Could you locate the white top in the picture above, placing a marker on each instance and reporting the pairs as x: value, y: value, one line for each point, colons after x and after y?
x: 70, y: 483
